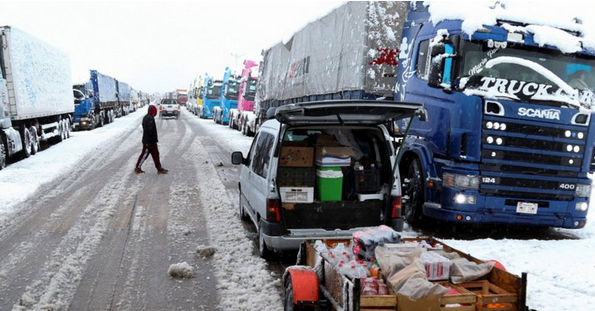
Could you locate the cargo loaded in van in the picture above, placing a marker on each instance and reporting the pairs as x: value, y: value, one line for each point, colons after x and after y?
x: 321, y: 170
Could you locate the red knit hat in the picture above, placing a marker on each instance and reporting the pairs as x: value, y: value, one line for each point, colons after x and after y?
x: 152, y: 110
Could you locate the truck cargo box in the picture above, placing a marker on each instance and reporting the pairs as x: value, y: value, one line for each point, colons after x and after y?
x: 104, y: 87
x: 37, y: 74
x: 352, y: 49
x: 123, y: 91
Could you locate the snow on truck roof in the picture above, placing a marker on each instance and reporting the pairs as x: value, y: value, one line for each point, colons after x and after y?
x: 550, y: 23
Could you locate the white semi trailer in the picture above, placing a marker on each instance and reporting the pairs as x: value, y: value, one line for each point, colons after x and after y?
x: 36, y: 99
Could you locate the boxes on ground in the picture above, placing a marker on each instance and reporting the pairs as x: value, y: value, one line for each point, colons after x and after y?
x: 297, y: 194
x: 329, y: 183
x: 296, y: 156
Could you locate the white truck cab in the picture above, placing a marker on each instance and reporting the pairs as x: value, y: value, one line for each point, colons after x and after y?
x: 322, y: 169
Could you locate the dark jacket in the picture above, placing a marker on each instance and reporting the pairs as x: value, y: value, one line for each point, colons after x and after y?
x: 149, y: 130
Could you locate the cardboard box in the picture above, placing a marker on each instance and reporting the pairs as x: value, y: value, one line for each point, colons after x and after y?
x: 296, y: 156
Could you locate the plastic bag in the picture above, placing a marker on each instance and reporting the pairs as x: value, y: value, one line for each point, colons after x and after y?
x: 411, y: 281
x: 463, y: 270
x: 366, y: 241
x: 394, y: 257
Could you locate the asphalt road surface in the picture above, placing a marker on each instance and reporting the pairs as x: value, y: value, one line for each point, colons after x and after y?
x: 103, y: 237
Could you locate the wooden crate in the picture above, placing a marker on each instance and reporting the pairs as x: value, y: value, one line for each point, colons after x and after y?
x: 464, y: 298
x: 491, y: 297
x: 379, y: 302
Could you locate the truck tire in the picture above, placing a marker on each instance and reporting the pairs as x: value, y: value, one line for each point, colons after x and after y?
x: 263, y: 250
x: 68, y: 127
x: 26, y: 139
x: 34, y: 140
x: 2, y: 154
x: 413, y: 190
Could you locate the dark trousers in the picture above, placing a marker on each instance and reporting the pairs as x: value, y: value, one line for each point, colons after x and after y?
x: 149, y: 149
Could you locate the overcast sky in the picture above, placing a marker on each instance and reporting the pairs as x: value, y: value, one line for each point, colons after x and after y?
x: 160, y: 45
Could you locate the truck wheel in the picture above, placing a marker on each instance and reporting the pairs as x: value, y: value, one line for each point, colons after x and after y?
x: 34, y: 140
x: 26, y: 136
x: 263, y: 250
x: 101, y: 120
x: 413, y: 190
x: 2, y: 154
x: 68, y: 127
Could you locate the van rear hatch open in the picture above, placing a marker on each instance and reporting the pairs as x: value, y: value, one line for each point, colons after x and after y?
x: 346, y: 112
x: 335, y: 169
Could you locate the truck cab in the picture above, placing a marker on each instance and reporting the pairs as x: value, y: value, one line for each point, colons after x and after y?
x: 229, y: 97
x: 211, y: 97
x: 510, y: 136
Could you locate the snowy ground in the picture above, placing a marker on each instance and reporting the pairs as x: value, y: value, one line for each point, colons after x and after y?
x: 561, y: 272
x: 21, y: 179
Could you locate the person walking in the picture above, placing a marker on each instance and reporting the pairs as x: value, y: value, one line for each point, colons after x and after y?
x: 149, y: 142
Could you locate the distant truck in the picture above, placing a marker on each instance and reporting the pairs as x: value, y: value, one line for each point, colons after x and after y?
x: 124, y: 98
x: 243, y: 118
x: 36, y: 100
x: 194, y: 96
x: 182, y: 96
x: 211, y: 97
x: 229, y: 97
x: 96, y: 102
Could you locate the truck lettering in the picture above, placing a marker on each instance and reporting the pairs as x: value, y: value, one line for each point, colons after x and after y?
x: 552, y: 114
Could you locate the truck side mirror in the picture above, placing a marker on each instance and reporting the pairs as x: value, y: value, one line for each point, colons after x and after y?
x: 441, y: 63
x: 237, y: 158
x: 436, y: 65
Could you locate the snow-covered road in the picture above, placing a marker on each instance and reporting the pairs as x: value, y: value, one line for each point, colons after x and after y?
x: 78, y: 230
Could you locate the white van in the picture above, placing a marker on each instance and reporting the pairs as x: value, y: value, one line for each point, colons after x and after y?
x: 322, y: 169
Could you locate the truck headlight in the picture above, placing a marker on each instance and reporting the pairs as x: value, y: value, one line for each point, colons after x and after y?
x: 583, y: 191
x: 460, y: 181
x: 465, y: 199
x: 582, y: 206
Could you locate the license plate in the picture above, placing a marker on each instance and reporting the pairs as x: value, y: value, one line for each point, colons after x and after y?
x: 526, y: 208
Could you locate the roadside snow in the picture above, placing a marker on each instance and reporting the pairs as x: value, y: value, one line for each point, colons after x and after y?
x: 243, y: 280
x: 21, y: 179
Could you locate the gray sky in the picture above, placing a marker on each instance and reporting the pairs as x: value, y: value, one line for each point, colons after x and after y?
x: 160, y: 45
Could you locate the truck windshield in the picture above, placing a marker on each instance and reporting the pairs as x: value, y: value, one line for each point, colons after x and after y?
x: 251, y: 90
x: 529, y: 81
x: 214, y: 91
x: 232, y: 89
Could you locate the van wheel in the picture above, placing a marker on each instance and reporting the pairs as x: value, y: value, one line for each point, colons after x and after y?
x: 263, y: 249
x: 413, y: 191
x: 242, y: 212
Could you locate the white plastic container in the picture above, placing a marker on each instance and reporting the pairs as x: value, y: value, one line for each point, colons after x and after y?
x: 297, y: 194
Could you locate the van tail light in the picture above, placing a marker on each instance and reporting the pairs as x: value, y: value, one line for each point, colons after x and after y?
x: 273, y: 214
x: 396, y: 208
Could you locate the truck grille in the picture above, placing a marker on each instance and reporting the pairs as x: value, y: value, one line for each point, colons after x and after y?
x: 513, y: 153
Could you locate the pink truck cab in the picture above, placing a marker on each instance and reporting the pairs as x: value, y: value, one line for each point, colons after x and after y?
x: 243, y: 118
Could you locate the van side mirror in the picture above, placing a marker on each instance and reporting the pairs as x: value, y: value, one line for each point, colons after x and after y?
x: 237, y: 158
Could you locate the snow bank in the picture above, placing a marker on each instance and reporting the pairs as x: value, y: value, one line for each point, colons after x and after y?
x: 181, y: 270
x: 21, y: 179
x: 243, y: 279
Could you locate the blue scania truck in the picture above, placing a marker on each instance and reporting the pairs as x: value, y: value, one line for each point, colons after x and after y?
x: 229, y: 97
x: 211, y: 97
x: 96, y: 102
x: 509, y: 136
